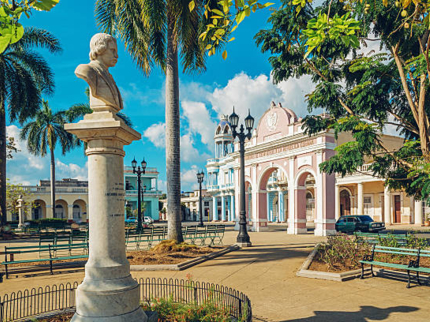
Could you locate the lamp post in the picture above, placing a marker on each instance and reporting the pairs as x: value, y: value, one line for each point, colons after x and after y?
x: 143, y: 201
x: 139, y: 172
x: 242, y: 237
x: 200, y: 176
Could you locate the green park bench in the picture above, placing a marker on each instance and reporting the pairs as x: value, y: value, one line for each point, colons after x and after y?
x: 136, y: 240
x: 413, y: 255
x: 375, y: 238
x: 45, y: 253
x: 215, y: 233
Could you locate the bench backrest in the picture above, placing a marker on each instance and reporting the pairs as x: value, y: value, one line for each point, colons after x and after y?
x: 396, y: 250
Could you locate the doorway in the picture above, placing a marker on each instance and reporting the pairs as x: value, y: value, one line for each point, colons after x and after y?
x: 397, y: 209
x: 345, y: 203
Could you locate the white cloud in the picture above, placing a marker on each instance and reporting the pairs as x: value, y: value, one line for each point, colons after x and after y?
x: 188, y: 152
x: 199, y: 121
x: 256, y: 93
x: 71, y: 170
x: 28, y: 169
x: 189, y: 179
x: 156, y: 133
x: 24, y: 155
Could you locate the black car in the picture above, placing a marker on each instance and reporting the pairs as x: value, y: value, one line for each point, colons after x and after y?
x: 364, y: 223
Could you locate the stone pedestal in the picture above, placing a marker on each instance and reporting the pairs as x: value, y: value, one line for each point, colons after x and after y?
x: 108, y: 292
x: 20, y: 214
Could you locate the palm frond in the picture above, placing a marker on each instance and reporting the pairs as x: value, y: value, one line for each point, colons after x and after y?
x: 35, y: 37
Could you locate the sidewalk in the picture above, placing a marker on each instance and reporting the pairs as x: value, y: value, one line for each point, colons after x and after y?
x: 266, y: 273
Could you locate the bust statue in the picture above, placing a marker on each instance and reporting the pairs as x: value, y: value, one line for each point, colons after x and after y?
x: 104, y: 94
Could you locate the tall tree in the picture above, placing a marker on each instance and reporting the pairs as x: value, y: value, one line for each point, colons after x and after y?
x: 43, y: 133
x: 24, y: 75
x: 158, y: 32
x: 362, y: 92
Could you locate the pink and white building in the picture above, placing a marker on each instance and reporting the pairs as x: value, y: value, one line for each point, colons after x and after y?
x: 284, y: 183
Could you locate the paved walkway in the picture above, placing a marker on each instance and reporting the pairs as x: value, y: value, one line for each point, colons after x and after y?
x: 266, y: 273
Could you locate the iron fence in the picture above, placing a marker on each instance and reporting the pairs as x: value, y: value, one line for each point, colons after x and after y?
x: 25, y: 304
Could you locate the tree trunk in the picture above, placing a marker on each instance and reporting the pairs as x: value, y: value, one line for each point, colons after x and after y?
x: 52, y: 182
x: 3, y: 210
x: 173, y: 136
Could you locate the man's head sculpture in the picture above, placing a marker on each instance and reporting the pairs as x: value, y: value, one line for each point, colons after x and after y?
x: 104, y: 94
x: 99, y: 44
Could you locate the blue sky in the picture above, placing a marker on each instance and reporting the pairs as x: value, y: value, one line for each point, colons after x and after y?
x: 243, y: 80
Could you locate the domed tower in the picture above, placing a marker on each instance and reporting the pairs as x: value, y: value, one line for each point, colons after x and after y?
x: 223, y: 138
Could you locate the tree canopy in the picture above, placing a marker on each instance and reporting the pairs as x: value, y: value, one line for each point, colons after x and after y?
x: 370, y: 63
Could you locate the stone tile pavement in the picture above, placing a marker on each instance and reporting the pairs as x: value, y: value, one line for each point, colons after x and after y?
x: 266, y: 273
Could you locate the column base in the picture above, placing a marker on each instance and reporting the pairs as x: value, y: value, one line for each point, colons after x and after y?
x: 244, y: 244
x: 113, y: 300
x: 136, y: 316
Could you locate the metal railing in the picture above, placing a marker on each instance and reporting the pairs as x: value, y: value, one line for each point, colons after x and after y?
x: 29, y: 303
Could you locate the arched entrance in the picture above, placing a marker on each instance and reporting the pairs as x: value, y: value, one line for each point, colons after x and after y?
x: 61, y: 209
x: 38, y: 210
x: 79, y: 210
x: 271, y: 196
x: 345, y: 203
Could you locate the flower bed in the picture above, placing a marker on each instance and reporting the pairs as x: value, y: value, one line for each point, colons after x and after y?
x: 342, y: 253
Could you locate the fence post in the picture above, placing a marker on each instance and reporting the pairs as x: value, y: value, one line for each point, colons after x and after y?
x: 1, y: 311
x: 195, y: 294
x: 240, y: 308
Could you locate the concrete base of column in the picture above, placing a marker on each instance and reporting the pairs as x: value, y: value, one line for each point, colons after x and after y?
x: 115, y: 300
x: 244, y: 244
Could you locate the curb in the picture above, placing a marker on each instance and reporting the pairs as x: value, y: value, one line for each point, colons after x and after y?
x: 304, y: 270
x: 183, y: 265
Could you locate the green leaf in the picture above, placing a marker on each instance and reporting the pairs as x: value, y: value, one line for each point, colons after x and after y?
x: 45, y: 5
x: 17, y: 33
x: 191, y: 5
x: 218, y: 12
x: 4, y: 42
x: 240, y: 16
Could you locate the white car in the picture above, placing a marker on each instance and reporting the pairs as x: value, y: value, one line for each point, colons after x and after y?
x: 148, y: 220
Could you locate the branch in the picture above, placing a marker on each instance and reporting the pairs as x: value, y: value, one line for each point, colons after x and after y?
x: 325, y: 78
x: 412, y: 105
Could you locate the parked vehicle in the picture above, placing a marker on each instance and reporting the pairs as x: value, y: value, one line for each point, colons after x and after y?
x: 131, y: 220
x: 364, y: 223
x: 148, y: 220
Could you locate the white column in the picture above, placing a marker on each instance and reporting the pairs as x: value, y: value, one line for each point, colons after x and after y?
x: 70, y: 212
x: 215, y: 208
x: 223, y: 208
x: 418, y: 212
x: 320, y: 198
x: 232, y: 216
x: 108, y: 293
x: 360, y: 199
x: 337, y: 201
x: 291, y: 201
x: 387, y: 206
x: 281, y: 206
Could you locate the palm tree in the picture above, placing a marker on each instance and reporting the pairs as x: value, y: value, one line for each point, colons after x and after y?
x: 43, y: 133
x: 154, y: 32
x: 24, y: 77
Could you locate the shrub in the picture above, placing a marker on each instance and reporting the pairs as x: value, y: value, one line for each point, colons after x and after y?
x: 172, y: 246
x: 168, y: 310
x: 342, y: 250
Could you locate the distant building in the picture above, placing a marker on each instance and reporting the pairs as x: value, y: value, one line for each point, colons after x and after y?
x: 190, y: 206
x: 283, y: 182
x: 72, y: 197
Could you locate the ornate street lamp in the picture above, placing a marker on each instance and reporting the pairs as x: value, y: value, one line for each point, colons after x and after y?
x: 139, y: 171
x: 242, y: 237
x: 200, y: 176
